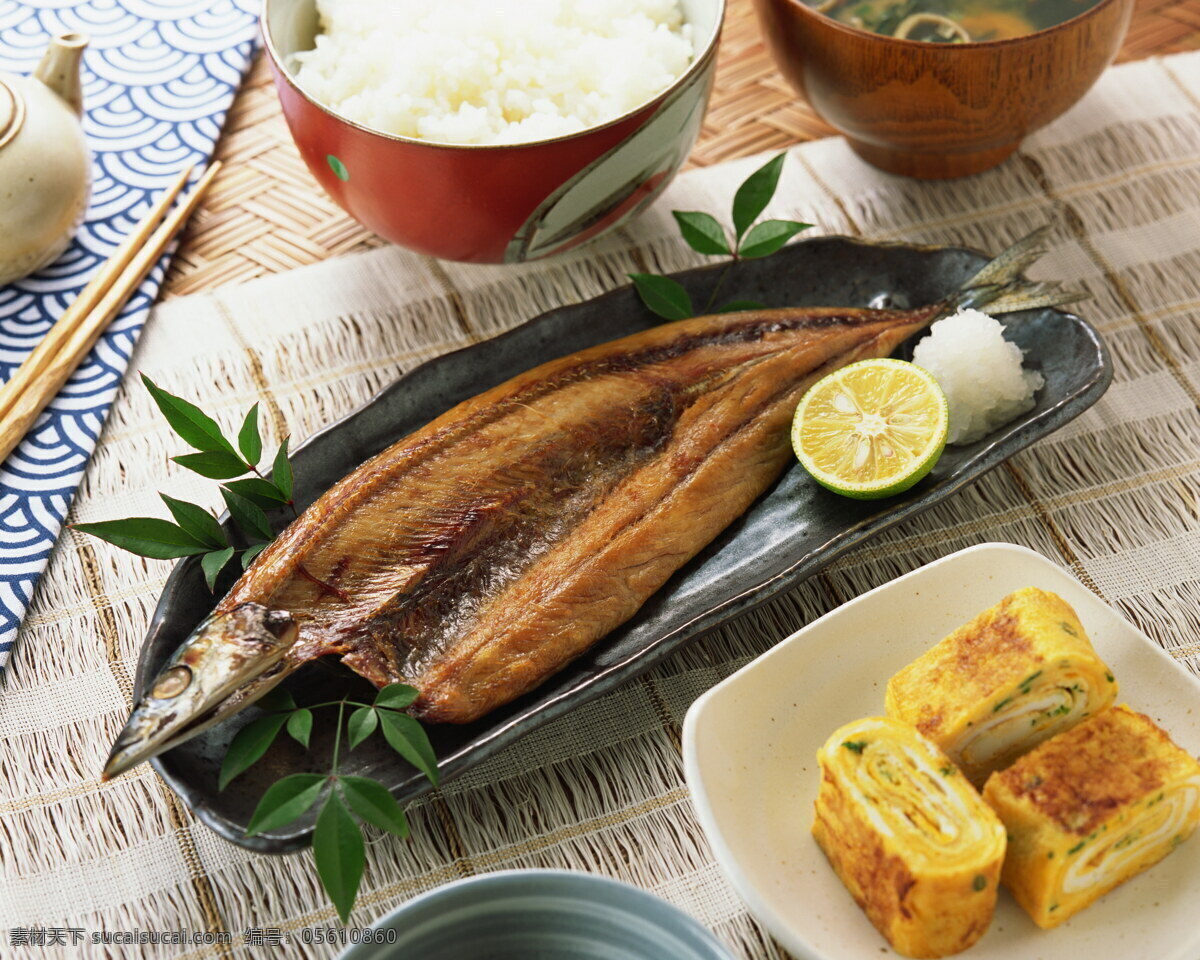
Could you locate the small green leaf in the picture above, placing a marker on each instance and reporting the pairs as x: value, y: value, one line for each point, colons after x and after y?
x: 362, y: 724
x: 396, y: 696
x: 339, y: 854
x: 408, y: 738
x: 257, y: 490
x: 372, y: 802
x: 249, y: 439
x: 276, y: 699
x: 213, y: 563
x: 701, y: 231
x: 769, y: 236
x: 196, y: 521
x: 285, y: 801
x: 248, y: 746
x: 338, y: 168
x: 663, y: 296
x: 195, y: 427
x: 146, y: 536
x: 281, y: 470
x: 251, y: 552
x: 754, y: 194
x: 218, y: 465
x: 735, y: 306
x: 248, y: 516
x: 299, y: 726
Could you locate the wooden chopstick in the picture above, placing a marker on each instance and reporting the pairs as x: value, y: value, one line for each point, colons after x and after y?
x: 89, y: 296
x: 75, y: 344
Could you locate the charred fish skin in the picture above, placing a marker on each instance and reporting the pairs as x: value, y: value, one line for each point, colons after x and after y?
x: 723, y: 452
x: 485, y: 551
x: 469, y: 556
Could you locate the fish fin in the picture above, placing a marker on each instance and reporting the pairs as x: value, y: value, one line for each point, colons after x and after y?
x: 1000, y: 286
x: 1009, y: 265
x: 1030, y: 296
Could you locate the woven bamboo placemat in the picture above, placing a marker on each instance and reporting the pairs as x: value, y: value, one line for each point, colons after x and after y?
x: 265, y: 213
x: 1114, y: 497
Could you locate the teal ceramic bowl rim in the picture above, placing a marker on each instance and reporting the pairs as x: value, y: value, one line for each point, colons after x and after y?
x: 574, y: 883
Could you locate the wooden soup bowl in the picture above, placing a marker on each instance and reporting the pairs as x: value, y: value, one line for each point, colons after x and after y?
x: 939, y: 110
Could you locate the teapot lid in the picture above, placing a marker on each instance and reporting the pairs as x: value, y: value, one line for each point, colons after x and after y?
x: 12, y: 112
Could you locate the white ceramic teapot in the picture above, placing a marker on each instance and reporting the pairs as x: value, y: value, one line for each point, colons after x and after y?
x: 45, y: 167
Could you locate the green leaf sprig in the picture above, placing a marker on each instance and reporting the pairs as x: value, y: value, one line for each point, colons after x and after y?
x: 704, y: 234
x: 346, y: 801
x: 195, y: 531
x: 338, y: 848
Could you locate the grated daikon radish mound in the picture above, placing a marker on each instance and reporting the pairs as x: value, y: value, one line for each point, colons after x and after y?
x: 492, y: 71
x: 979, y: 371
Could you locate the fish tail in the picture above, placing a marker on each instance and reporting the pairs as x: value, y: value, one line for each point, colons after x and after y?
x: 1000, y: 286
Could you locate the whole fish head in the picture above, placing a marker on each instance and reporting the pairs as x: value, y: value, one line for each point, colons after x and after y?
x: 229, y: 661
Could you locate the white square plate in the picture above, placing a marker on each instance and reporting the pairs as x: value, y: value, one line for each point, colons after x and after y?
x: 750, y: 743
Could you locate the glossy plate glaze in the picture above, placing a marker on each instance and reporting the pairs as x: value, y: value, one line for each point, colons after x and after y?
x: 787, y: 535
x: 751, y: 743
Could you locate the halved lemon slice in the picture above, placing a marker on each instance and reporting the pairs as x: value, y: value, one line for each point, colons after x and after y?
x: 871, y: 429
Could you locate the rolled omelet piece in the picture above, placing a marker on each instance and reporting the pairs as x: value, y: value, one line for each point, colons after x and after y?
x: 1019, y: 673
x: 911, y: 839
x: 1091, y: 808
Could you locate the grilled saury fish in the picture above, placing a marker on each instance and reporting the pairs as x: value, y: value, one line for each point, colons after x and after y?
x: 482, y: 553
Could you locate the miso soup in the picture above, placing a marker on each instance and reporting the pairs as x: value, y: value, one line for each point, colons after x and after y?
x: 952, y: 21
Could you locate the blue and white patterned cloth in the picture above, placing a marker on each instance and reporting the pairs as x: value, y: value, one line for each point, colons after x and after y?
x: 159, y: 76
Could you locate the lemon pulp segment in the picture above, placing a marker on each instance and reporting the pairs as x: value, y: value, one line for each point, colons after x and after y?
x: 871, y: 429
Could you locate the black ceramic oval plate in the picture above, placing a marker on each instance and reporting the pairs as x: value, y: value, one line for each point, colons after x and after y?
x: 789, y: 534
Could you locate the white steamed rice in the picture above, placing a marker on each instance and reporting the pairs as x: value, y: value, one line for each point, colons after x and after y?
x: 492, y: 71
x: 979, y: 371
